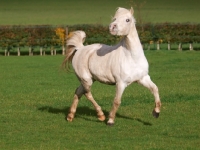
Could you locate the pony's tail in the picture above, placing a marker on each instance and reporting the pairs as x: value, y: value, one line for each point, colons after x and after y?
x: 75, y: 41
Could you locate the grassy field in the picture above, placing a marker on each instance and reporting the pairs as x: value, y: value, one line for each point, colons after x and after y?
x: 35, y: 97
x: 35, y: 94
x: 66, y: 12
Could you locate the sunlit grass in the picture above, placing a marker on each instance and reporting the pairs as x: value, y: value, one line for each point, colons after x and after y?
x: 36, y: 96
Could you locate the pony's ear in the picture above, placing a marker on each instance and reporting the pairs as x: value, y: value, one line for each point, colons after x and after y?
x: 131, y: 10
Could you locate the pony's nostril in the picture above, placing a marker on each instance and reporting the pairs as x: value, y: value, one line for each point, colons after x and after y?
x: 114, y: 26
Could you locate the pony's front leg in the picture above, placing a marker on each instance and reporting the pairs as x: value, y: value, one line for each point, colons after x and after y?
x: 146, y: 82
x: 78, y: 93
x: 116, y: 103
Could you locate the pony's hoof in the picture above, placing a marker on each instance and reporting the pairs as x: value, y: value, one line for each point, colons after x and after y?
x: 101, y: 118
x: 110, y: 124
x: 69, y: 119
x: 155, y: 114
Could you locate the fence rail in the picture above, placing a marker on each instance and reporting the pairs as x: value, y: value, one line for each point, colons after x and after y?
x: 42, y: 51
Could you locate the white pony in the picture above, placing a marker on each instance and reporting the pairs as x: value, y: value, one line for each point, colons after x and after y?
x: 118, y: 65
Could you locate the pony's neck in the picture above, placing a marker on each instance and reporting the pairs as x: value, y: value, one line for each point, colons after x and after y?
x: 132, y: 42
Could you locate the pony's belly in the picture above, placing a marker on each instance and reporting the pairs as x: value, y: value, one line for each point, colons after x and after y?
x: 103, y: 78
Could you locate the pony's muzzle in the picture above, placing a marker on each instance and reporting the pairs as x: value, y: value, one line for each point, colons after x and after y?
x: 113, y: 28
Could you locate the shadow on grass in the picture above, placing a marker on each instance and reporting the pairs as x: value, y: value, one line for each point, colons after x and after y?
x: 86, y: 111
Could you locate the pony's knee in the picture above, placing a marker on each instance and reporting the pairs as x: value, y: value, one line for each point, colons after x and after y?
x: 147, y: 82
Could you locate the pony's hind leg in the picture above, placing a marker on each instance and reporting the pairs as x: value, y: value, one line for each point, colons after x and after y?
x: 146, y: 82
x: 87, y: 83
x: 78, y: 93
x: 100, y: 113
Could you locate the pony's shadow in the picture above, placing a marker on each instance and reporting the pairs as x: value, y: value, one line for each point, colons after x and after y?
x: 83, y: 112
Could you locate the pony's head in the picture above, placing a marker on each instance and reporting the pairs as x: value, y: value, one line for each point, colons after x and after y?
x: 122, y: 22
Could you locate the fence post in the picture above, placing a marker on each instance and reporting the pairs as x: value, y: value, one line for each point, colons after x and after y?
x: 18, y: 51
x: 191, y: 46
x: 168, y: 46
x: 51, y: 49
x: 158, y: 46
x: 30, y: 51
x: 180, y: 46
x: 66, y: 34
x: 41, y: 49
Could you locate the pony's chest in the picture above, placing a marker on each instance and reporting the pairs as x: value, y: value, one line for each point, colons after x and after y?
x: 131, y: 70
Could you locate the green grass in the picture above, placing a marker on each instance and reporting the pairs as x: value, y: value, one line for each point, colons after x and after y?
x: 35, y: 97
x: 35, y: 94
x: 67, y: 12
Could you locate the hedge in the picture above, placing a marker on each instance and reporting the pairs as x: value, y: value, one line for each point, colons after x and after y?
x: 12, y: 37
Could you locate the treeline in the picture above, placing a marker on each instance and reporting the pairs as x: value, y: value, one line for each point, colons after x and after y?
x: 54, y: 37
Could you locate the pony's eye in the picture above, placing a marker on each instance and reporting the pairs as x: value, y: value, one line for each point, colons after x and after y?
x: 127, y: 20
